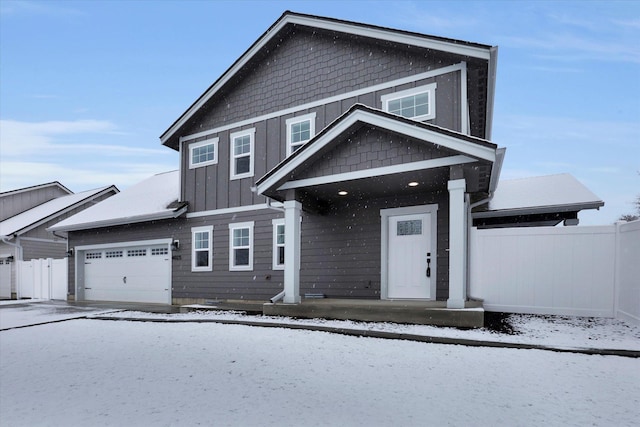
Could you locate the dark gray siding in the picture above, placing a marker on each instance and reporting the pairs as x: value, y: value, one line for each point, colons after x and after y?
x: 341, y: 251
x: 370, y: 148
x: 35, y: 249
x: 13, y: 203
x: 210, y: 187
x: 308, y: 65
x: 261, y: 283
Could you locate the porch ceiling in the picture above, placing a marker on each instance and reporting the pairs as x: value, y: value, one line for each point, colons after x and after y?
x: 428, y: 180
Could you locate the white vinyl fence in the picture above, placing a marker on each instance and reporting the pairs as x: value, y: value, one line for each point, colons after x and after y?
x: 43, y: 279
x: 584, y: 271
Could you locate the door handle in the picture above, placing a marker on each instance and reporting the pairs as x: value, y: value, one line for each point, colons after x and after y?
x: 428, y: 264
x: 124, y: 280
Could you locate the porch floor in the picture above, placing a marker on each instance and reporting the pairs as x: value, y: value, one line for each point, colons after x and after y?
x: 366, y: 310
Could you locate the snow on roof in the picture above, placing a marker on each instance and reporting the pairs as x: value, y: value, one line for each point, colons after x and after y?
x: 543, y: 193
x: 148, y: 200
x: 24, y: 221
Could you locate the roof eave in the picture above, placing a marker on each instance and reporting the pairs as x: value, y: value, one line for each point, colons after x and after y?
x: 574, y: 207
x: 122, y: 221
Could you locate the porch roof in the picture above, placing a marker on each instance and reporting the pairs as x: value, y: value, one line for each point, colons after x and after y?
x: 460, y: 149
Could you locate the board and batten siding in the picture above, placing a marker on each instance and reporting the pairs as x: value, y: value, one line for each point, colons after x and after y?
x: 13, y: 203
x: 210, y: 187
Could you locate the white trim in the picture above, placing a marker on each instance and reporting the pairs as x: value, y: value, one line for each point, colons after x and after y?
x: 210, y: 141
x: 292, y: 245
x: 123, y: 244
x: 232, y: 228
x: 422, y: 76
x: 275, y: 245
x: 232, y: 156
x: 385, y: 214
x: 465, y: 124
x: 311, y: 118
x: 391, y: 124
x: 457, y: 244
x: 238, y: 209
x: 429, y: 89
x: 204, y: 229
x: 385, y: 170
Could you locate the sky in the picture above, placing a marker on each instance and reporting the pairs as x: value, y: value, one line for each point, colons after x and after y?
x: 88, y: 87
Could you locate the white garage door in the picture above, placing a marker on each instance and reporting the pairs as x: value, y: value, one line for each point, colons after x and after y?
x: 134, y: 274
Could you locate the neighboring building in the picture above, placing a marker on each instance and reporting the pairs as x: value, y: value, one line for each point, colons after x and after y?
x: 332, y: 159
x: 25, y: 215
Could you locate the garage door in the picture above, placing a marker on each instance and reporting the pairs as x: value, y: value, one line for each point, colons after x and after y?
x: 134, y: 274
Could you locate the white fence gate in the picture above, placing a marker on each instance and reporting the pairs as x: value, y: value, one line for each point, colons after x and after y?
x: 43, y: 279
x: 585, y: 271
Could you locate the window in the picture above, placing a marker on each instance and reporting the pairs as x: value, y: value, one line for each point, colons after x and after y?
x: 202, y: 244
x: 241, y: 246
x: 203, y: 153
x: 93, y: 255
x: 113, y: 254
x: 417, y: 103
x: 242, y: 154
x: 300, y: 129
x: 159, y: 251
x: 278, y: 244
x: 136, y: 252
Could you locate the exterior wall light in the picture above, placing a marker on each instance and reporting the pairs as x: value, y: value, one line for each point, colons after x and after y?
x: 342, y: 193
x: 175, y: 245
x: 413, y: 184
x: 69, y: 253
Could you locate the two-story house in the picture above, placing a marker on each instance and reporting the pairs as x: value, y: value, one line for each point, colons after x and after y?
x: 332, y: 159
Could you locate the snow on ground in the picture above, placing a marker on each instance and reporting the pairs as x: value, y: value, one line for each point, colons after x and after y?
x: 555, y: 331
x: 88, y: 372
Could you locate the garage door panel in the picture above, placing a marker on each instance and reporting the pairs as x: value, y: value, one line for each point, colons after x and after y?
x: 133, y: 274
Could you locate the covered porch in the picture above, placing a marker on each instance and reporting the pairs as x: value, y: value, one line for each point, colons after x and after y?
x: 376, y: 212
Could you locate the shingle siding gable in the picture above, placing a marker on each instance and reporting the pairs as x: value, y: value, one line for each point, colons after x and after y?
x: 304, y: 66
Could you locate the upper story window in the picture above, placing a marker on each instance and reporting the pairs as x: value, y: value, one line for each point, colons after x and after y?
x: 242, y: 153
x: 202, y: 248
x: 300, y: 129
x: 203, y: 153
x: 417, y: 103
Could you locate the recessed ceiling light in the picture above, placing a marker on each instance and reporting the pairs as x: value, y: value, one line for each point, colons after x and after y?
x: 342, y: 193
x: 413, y: 184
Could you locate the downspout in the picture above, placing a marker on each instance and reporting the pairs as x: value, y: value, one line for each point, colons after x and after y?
x: 280, y: 295
x: 19, y: 255
x: 493, y: 184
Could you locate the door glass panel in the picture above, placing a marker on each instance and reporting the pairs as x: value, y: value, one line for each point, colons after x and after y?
x: 409, y: 228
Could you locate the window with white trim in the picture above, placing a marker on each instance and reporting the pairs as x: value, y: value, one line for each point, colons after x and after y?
x: 241, y: 246
x: 417, y: 103
x: 202, y: 248
x: 242, y: 153
x: 300, y: 129
x: 203, y: 153
x: 278, y: 243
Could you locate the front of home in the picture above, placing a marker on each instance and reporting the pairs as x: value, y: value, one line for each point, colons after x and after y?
x: 332, y: 159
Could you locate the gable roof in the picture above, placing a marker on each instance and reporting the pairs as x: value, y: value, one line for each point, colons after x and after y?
x: 36, y: 187
x: 538, y: 195
x: 152, y: 199
x: 32, y: 218
x: 474, y: 50
x: 470, y: 148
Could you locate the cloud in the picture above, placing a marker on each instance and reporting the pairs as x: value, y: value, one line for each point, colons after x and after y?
x: 81, y: 154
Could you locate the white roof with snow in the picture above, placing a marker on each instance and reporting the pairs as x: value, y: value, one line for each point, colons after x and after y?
x: 146, y: 201
x: 550, y: 193
x: 33, y: 217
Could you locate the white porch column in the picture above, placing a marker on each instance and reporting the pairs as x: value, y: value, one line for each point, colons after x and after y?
x: 292, y: 211
x: 457, y: 249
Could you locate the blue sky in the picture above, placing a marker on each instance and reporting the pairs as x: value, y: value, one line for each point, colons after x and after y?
x: 87, y: 87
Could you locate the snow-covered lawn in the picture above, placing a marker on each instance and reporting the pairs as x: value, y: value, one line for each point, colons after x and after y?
x: 88, y: 372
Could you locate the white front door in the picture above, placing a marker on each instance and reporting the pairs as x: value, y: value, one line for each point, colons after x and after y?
x: 409, y: 249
